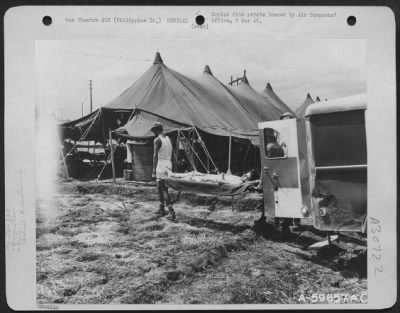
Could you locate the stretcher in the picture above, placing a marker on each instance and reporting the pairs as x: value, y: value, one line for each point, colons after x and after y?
x: 219, y: 185
x: 210, y: 184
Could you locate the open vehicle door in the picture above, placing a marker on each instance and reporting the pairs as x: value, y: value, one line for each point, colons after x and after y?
x: 283, y: 166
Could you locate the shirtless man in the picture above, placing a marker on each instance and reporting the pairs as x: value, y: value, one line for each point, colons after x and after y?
x: 162, y: 163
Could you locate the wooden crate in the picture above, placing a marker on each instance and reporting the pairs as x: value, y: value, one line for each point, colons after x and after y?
x: 142, y: 158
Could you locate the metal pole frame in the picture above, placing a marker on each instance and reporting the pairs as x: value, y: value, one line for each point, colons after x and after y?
x: 187, y: 147
x: 205, y: 148
x: 195, y: 154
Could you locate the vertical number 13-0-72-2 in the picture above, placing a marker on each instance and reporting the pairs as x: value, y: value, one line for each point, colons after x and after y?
x: 376, y: 255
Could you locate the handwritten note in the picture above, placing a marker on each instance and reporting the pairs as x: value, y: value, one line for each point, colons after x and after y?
x: 376, y: 248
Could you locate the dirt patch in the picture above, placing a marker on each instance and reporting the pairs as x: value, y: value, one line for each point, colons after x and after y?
x: 270, y: 275
x: 103, y: 244
x: 148, y: 191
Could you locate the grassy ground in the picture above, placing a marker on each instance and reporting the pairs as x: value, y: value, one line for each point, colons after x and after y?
x: 97, y: 244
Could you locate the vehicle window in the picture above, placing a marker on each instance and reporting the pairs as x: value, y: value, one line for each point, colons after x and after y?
x: 275, y: 146
x: 339, y: 138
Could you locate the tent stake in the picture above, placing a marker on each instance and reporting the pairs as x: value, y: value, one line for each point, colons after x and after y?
x: 112, y: 157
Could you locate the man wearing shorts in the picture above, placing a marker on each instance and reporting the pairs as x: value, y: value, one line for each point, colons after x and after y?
x: 162, y: 164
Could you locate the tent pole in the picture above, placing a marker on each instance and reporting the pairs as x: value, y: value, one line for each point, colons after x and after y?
x: 192, y: 146
x: 103, y: 128
x: 208, y: 165
x: 112, y: 156
x: 229, y: 172
x: 105, y: 164
x: 177, y: 151
x: 245, y: 156
x: 104, y: 139
x: 130, y: 116
x: 65, y: 163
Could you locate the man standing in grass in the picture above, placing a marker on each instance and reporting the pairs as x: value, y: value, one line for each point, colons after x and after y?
x: 162, y: 164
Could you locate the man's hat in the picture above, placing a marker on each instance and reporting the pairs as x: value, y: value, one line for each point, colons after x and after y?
x: 156, y: 126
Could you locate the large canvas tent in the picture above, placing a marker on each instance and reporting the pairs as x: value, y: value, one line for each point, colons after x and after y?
x: 171, y: 97
x: 220, y: 113
x: 203, y: 102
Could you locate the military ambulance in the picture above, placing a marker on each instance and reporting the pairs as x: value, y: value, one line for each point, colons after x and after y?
x: 315, y: 168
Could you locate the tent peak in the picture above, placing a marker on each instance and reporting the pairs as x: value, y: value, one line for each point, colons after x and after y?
x: 269, y: 86
x: 207, y: 70
x: 158, y: 59
x: 309, y: 96
x: 245, y: 80
x: 317, y: 99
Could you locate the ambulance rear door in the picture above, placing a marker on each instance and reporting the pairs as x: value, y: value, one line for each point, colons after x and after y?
x: 281, y: 168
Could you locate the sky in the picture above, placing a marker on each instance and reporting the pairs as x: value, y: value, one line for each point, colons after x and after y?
x: 328, y: 68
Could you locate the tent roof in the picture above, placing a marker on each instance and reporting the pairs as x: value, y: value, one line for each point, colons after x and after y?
x: 142, y: 122
x: 95, y: 125
x: 203, y: 102
x: 81, y: 122
x: 273, y: 98
x: 158, y: 59
x: 207, y: 70
x: 300, y: 111
x: 140, y: 127
x: 258, y: 106
x: 79, y: 128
